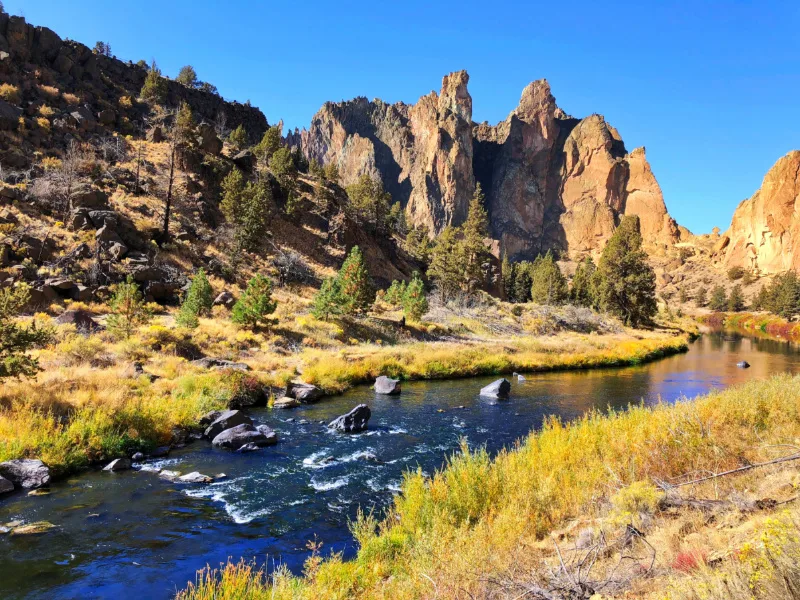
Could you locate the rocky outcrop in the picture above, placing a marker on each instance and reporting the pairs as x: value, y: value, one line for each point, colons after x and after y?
x: 765, y: 231
x: 551, y: 181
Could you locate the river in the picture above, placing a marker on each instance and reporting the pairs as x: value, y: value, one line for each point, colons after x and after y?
x: 134, y: 535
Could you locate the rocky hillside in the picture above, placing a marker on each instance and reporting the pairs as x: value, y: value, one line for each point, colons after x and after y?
x: 764, y: 235
x: 551, y: 181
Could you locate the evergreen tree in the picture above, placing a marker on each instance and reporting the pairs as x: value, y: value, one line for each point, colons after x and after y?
x: 736, y: 299
x: 155, y: 87
x: 269, y: 144
x: 299, y: 159
x: 783, y: 295
x: 355, y: 287
x: 394, y: 295
x: 475, y: 230
x: 626, y: 281
x: 369, y: 202
x: 548, y: 285
x: 282, y: 166
x: 419, y: 245
x: 719, y: 299
x: 198, y: 301
x: 331, y: 171
x: 187, y: 76
x: 507, y: 276
x: 447, y: 263
x: 128, y: 309
x: 15, y: 340
x: 256, y: 304
x: 315, y: 169
x: 701, y: 297
x: 184, y: 123
x: 328, y: 301
x: 232, y: 192
x: 396, y: 220
x: 522, y: 282
x: 238, y: 138
x: 256, y: 206
x: 415, y: 304
x: 582, y: 292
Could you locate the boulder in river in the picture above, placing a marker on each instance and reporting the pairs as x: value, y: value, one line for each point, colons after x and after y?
x: 286, y: 402
x: 521, y: 378
x: 743, y: 364
x: 354, y: 421
x: 304, y: 392
x: 497, y: 389
x: 169, y: 475
x: 26, y: 473
x: 195, y: 477
x: 5, y: 486
x: 385, y: 385
x: 119, y: 464
x: 236, y: 437
x: 33, y: 528
x: 248, y: 447
x: 227, y: 420
x: 208, y: 418
x: 137, y: 457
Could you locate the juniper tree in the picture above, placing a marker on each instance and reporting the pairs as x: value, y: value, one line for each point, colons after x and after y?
x: 369, y: 202
x: 522, y: 281
x: 700, y: 297
x: 155, y: 86
x: 269, y: 144
x: 447, y: 263
x: 719, y: 299
x: 187, y: 76
x: 626, y: 282
x: 736, y: 299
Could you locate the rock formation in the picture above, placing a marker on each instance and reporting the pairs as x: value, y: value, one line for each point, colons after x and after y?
x: 551, y: 181
x: 765, y: 229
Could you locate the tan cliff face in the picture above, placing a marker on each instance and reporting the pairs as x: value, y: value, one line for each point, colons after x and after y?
x: 551, y: 181
x: 765, y: 231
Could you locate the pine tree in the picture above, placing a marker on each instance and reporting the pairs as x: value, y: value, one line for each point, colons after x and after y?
x: 369, y: 202
x: 238, y: 138
x: 475, y: 230
x: 184, y: 123
x: 256, y: 304
x: 128, y: 309
x: 583, y: 293
x: 701, y: 297
x: 736, y: 299
x: 447, y: 263
x: 394, y: 295
x: 155, y: 87
x: 269, y: 144
x: 415, y: 304
x: 198, y: 301
x: 15, y: 340
x: 719, y: 299
x: 355, y: 287
x: 187, y: 76
x: 232, y: 192
x: 522, y: 281
x: 419, y: 245
x: 548, y: 285
x: 328, y: 301
x: 331, y: 171
x: 282, y: 166
x: 315, y: 169
x: 255, y: 211
x: 626, y: 282
x: 396, y: 220
x: 507, y: 275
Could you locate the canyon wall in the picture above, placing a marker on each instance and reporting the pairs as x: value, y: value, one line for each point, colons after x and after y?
x: 551, y: 181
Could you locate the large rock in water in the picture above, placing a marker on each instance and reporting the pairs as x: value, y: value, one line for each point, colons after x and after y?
x: 242, y: 435
x: 765, y: 230
x: 385, y: 385
x: 5, y: 486
x: 304, y: 392
x: 227, y: 420
x: 354, y: 421
x: 497, y: 389
x: 551, y: 181
x: 26, y: 473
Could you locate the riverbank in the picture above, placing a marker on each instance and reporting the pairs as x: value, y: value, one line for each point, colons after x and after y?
x: 91, y: 403
x: 582, y: 504
x: 765, y: 325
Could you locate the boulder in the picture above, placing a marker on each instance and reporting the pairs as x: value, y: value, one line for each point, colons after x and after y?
x: 26, y: 473
x: 208, y: 140
x: 387, y: 386
x: 209, y: 362
x: 5, y: 486
x: 137, y: 457
x: 304, y: 392
x: 743, y: 364
x: 195, y: 477
x: 286, y: 402
x: 79, y: 219
x: 208, y: 418
x: 85, y: 196
x: 227, y: 420
x: 60, y: 283
x: 225, y: 299
x: 83, y: 118
x: 9, y: 116
x: 107, y: 117
x: 82, y: 320
x: 82, y: 293
x: 10, y: 193
x: 249, y: 447
x: 245, y: 160
x: 119, y: 464
x: 160, y: 452
x: 497, y: 389
x: 521, y: 378
x: 169, y: 475
x: 117, y: 251
x: 354, y: 421
x: 244, y: 434
x: 155, y: 135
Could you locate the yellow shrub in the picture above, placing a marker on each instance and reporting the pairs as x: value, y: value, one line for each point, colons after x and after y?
x: 49, y: 91
x: 10, y: 93
x: 50, y: 163
x: 43, y: 123
x: 71, y: 99
x: 126, y: 102
x: 46, y: 111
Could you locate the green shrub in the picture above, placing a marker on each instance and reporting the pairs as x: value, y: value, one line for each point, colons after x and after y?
x: 256, y: 304
x: 198, y: 301
x: 128, y: 309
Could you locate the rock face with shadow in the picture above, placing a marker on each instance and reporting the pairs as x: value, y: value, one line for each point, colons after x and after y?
x: 765, y: 230
x: 551, y: 181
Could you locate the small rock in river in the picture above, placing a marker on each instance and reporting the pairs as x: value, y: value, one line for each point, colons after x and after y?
x: 743, y: 364
x: 118, y: 464
x: 354, y: 421
x: 386, y: 386
x: 33, y: 529
x: 138, y: 457
x: 167, y: 474
x: 195, y: 477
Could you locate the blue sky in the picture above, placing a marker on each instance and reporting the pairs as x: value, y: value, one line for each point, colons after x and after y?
x: 712, y: 89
